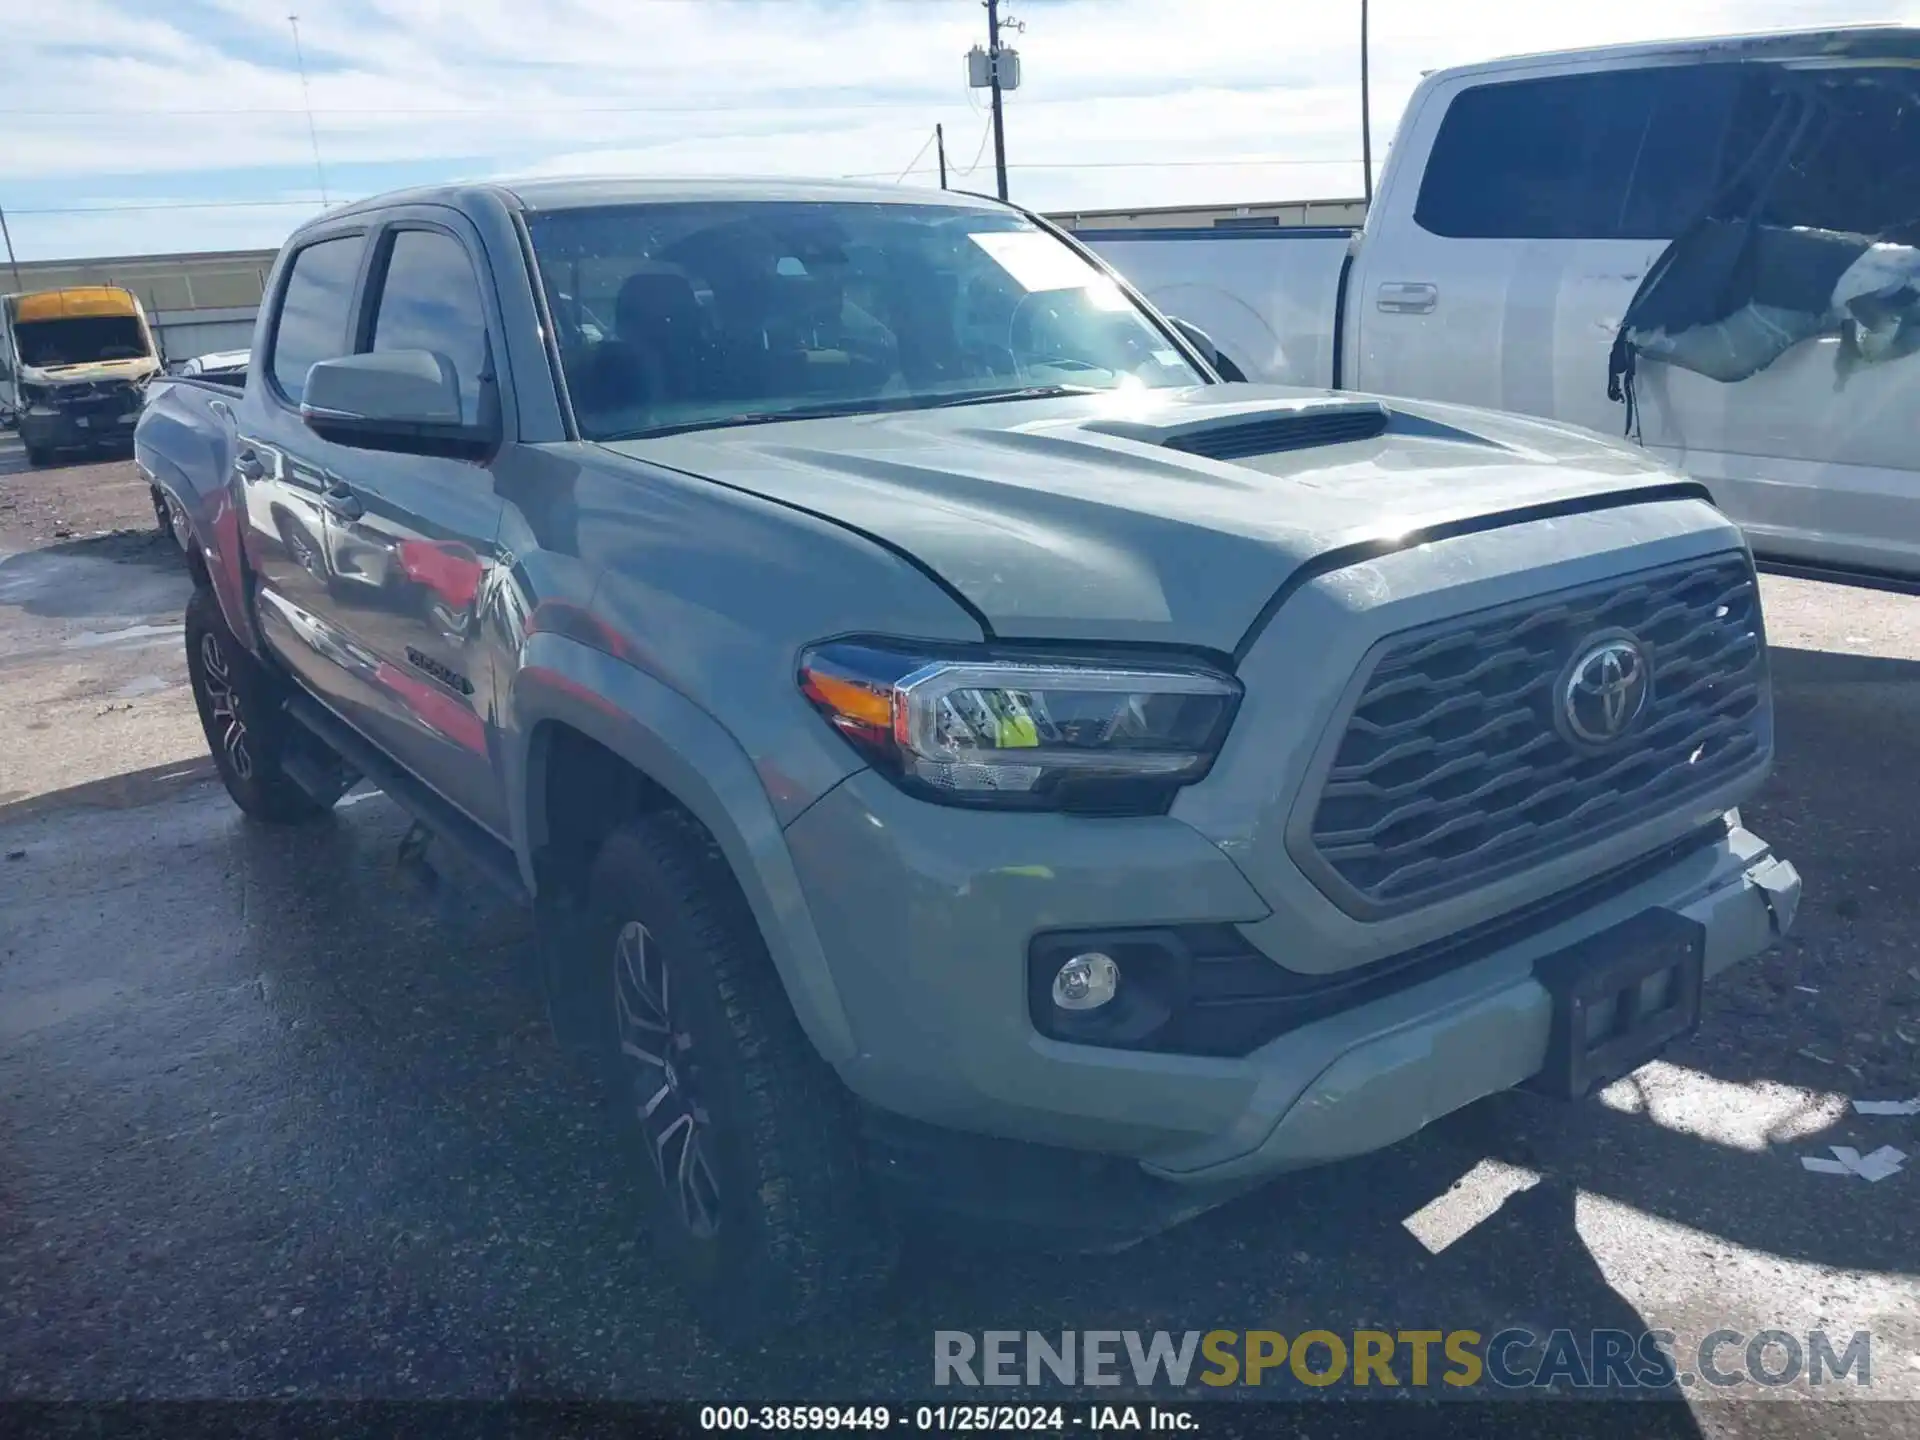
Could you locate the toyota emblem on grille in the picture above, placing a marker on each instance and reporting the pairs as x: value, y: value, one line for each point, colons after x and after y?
x: 1605, y: 690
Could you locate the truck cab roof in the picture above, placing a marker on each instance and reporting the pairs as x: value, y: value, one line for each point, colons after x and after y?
x: 546, y: 193
x: 1833, y: 43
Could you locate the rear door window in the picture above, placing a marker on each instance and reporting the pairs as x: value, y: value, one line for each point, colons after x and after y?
x: 1856, y: 168
x: 430, y: 300
x: 313, y: 313
x: 1610, y: 155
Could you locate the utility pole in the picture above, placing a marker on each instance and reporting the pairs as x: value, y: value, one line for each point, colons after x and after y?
x: 940, y: 144
x: 1366, y: 111
x: 10, y: 260
x: 999, y: 114
x: 313, y: 134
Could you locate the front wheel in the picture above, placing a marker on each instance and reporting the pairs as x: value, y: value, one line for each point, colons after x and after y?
x: 745, y: 1138
x: 247, y: 731
x: 39, y: 456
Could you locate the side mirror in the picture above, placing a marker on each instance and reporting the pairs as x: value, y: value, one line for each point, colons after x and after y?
x: 405, y: 401
x: 1203, y: 342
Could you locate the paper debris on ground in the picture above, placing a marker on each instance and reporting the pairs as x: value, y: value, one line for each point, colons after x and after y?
x: 1848, y: 1161
x: 1888, y: 1107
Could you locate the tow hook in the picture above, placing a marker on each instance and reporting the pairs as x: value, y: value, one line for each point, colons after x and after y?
x: 1779, y: 883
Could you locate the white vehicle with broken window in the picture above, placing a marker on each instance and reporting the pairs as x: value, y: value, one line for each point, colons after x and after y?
x: 1712, y: 246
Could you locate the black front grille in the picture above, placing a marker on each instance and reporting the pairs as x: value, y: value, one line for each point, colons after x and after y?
x: 1270, y: 435
x: 102, y: 397
x: 1452, y: 769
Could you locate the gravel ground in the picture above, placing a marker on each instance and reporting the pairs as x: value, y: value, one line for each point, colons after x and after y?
x: 277, y: 1118
x: 93, y: 680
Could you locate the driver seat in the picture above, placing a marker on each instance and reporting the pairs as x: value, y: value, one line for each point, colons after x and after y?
x: 660, y: 351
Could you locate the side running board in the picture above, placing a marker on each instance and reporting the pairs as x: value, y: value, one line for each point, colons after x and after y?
x: 485, y: 853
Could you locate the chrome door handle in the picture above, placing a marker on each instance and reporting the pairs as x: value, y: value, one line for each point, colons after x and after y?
x: 342, y: 503
x: 248, y: 464
x: 1403, y: 297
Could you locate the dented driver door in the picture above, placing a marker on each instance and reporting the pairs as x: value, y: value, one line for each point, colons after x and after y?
x: 411, y: 539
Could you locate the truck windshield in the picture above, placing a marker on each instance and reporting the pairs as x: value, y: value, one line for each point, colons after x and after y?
x: 81, y: 340
x: 694, y: 315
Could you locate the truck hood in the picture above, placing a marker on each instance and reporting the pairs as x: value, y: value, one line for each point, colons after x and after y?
x: 57, y: 375
x: 1093, y: 517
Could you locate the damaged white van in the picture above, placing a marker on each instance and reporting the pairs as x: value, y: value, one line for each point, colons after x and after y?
x: 1712, y: 246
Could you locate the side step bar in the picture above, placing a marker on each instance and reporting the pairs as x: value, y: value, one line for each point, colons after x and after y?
x: 485, y: 853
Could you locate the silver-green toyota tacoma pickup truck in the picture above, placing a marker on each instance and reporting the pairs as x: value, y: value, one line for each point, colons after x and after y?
x: 961, y: 754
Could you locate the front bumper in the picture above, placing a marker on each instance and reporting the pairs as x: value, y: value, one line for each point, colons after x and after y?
x: 1427, y: 1053
x: 926, y: 915
x: 67, y: 430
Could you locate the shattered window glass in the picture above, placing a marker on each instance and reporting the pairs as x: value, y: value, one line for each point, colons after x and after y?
x: 1857, y: 167
x: 1812, y: 231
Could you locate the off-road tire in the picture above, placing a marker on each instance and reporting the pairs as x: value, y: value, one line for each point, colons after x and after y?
x: 247, y: 731
x: 39, y: 456
x: 799, y: 1234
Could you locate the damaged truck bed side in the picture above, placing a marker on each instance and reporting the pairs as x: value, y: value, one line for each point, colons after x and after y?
x: 1712, y: 245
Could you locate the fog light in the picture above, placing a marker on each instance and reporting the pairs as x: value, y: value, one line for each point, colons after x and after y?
x: 1086, y: 982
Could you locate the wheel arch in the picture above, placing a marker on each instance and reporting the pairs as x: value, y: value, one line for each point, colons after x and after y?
x: 575, y: 708
x: 167, y: 510
x: 172, y: 489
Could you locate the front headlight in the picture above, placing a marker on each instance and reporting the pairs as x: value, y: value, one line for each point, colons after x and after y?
x: 1023, y: 732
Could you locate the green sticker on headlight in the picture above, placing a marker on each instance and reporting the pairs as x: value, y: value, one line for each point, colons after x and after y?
x: 1015, y: 732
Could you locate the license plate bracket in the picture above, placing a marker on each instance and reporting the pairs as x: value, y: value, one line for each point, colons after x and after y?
x: 1619, y: 999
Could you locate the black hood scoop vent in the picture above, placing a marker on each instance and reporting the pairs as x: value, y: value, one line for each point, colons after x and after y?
x: 1272, y: 434
x: 1264, y: 432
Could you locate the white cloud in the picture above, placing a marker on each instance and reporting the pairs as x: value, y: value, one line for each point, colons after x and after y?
x: 1126, y: 102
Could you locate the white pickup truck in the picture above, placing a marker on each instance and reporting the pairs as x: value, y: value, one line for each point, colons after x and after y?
x: 1710, y: 246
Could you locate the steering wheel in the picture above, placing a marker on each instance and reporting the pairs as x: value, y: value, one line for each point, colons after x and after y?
x: 870, y: 350
x: 1025, y: 364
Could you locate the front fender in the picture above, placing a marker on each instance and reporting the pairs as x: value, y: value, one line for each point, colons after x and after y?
x: 685, y: 751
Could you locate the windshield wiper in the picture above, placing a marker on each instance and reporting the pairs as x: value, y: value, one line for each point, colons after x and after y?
x: 887, y: 405
x: 1024, y: 392
x: 750, y: 417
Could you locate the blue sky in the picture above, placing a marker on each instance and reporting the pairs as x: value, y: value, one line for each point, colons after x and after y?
x: 118, y: 115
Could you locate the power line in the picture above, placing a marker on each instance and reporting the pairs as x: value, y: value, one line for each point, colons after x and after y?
x: 912, y: 169
x: 813, y: 100
x: 686, y: 109
x: 986, y: 134
x: 916, y: 159
x: 171, y: 205
x: 1105, y: 165
x: 306, y: 96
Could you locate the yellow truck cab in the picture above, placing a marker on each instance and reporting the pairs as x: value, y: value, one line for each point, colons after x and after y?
x: 73, y: 364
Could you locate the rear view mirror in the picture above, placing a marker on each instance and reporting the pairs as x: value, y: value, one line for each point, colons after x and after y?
x: 406, y: 401
x: 1203, y: 342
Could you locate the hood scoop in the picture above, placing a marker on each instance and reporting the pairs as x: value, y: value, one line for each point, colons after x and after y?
x: 1270, y: 432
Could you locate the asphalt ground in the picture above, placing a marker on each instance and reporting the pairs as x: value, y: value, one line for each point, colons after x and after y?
x: 280, y: 1118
